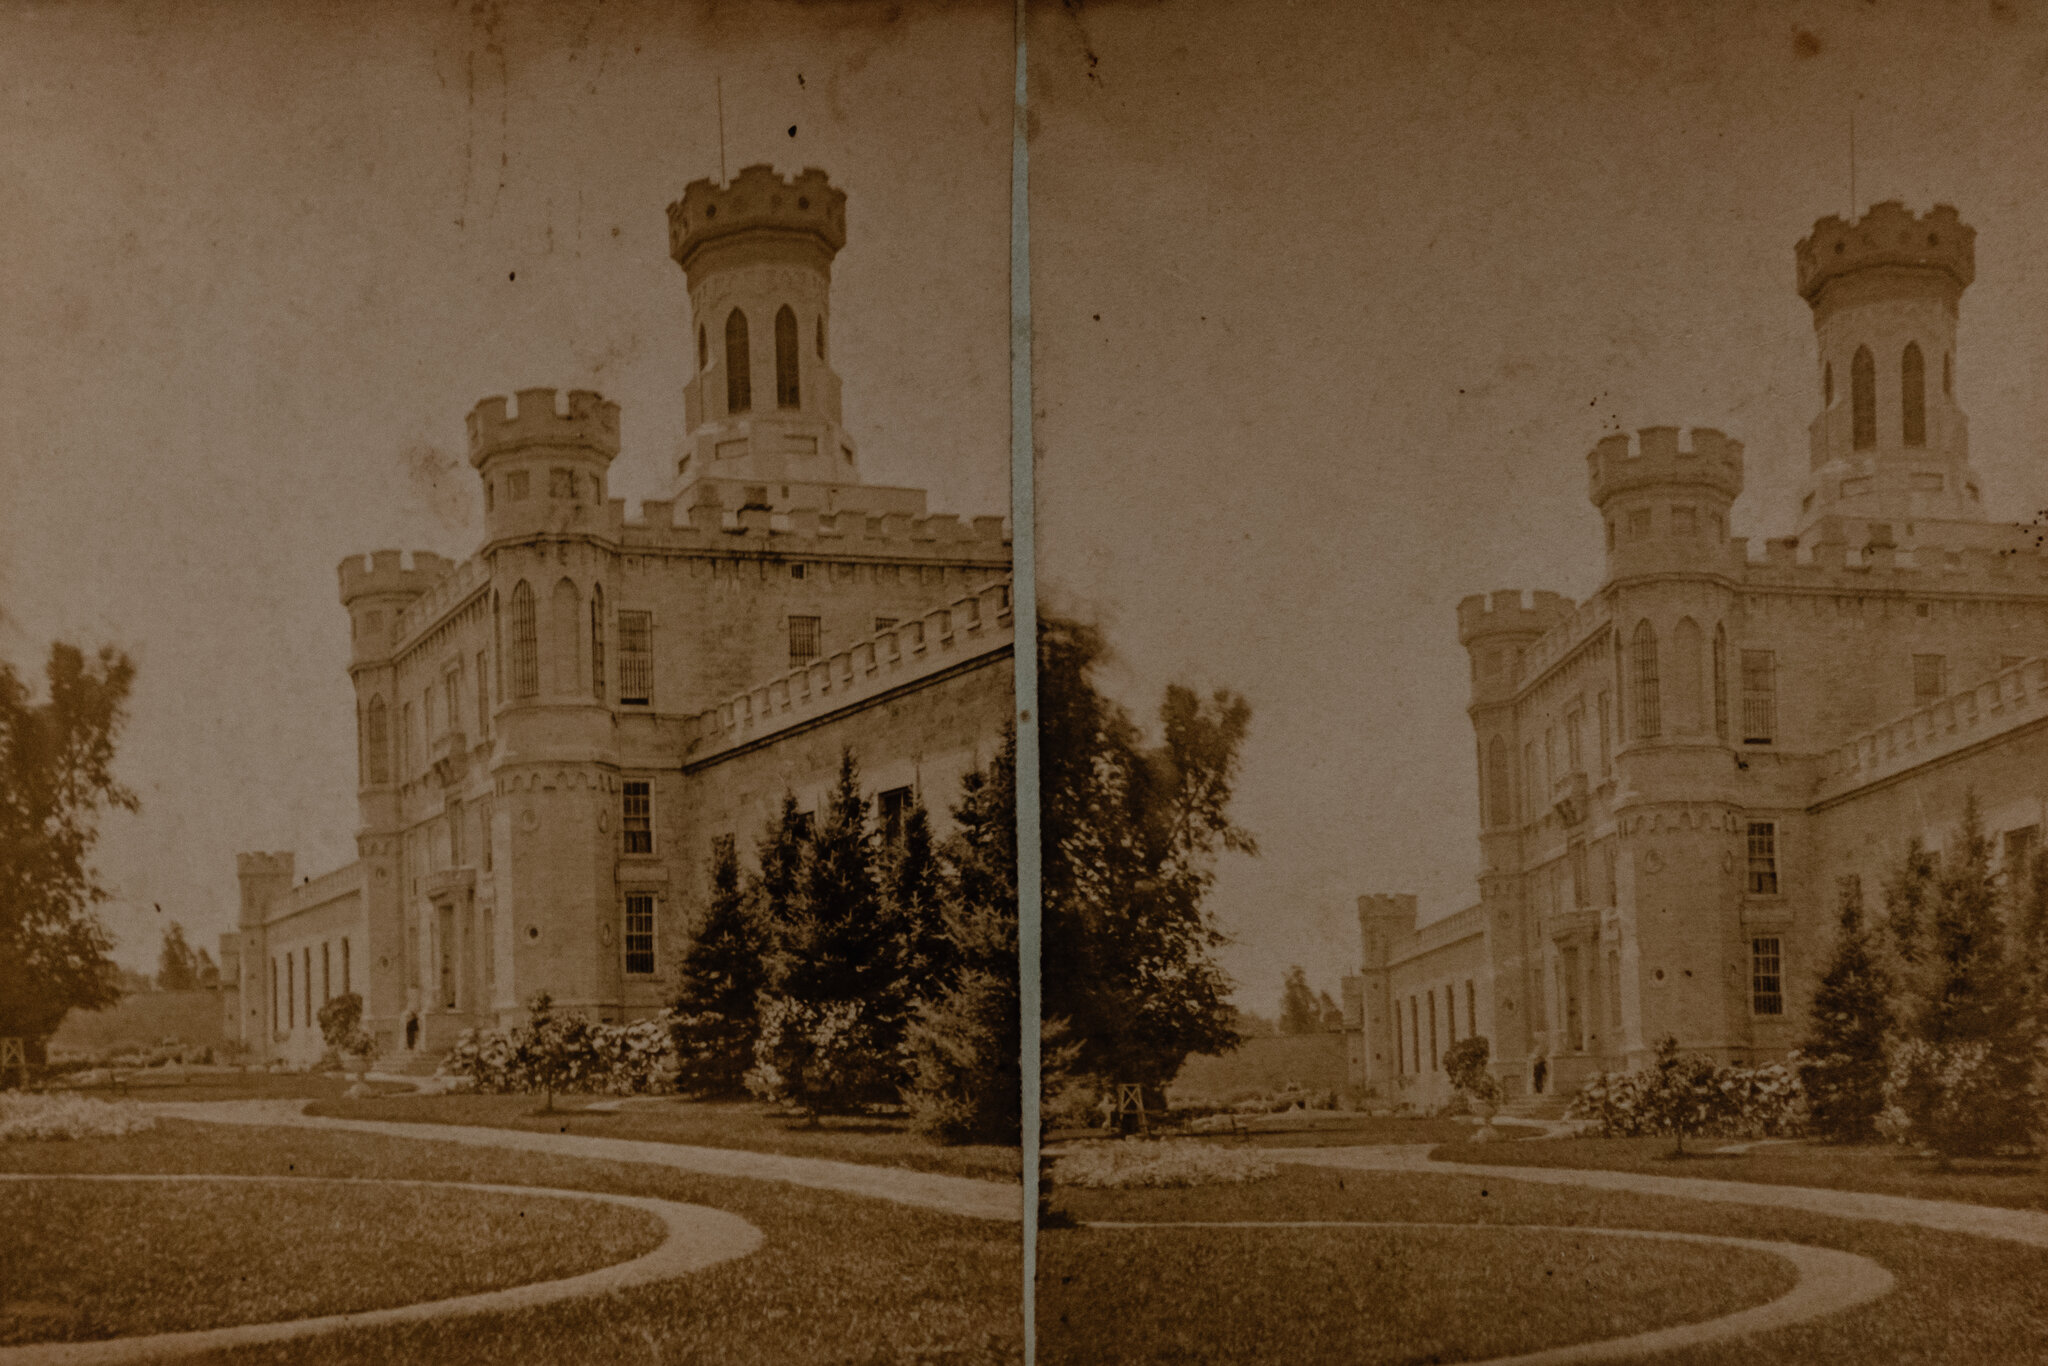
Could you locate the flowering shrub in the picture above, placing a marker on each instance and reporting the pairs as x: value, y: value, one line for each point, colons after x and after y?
x: 59, y: 1116
x: 565, y: 1053
x: 1680, y: 1095
x: 1164, y: 1162
x: 1960, y: 1099
x: 820, y: 1058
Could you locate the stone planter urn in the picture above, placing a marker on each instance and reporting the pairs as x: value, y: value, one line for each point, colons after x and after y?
x: 1486, y: 1107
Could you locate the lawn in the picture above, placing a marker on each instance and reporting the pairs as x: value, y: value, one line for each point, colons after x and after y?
x: 841, y: 1279
x: 2012, y: 1183
x: 1332, y: 1129
x: 1231, y: 1295
x: 140, y: 1258
x: 883, y: 1142
x: 224, y: 1083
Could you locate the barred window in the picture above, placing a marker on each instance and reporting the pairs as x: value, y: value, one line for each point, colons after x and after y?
x: 1930, y: 678
x: 739, y: 372
x: 1471, y: 1009
x: 1766, y: 976
x: 1913, y: 395
x: 1643, y: 653
x: 1721, y: 681
x: 636, y: 658
x: 525, y: 643
x: 1759, y: 697
x: 451, y: 686
x: 1606, y: 736
x: 637, y: 817
x: 346, y: 988
x: 483, y: 693
x: 1863, y: 399
x: 640, y: 933
x: 597, y: 641
x: 1500, y: 790
x: 1763, y: 858
x: 803, y: 640
x: 1574, y: 739
x: 1582, y: 892
x: 786, y: 390
x: 377, y: 744
x: 892, y: 807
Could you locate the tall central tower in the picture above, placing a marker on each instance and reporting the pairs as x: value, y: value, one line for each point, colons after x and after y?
x: 1890, y: 444
x: 763, y: 403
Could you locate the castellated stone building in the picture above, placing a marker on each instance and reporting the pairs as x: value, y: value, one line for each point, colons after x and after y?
x: 1676, y: 773
x: 556, y: 732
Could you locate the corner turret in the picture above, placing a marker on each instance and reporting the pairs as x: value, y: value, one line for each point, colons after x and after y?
x: 1498, y: 631
x: 376, y: 588
x: 1665, y: 505
x: 1890, y: 443
x: 763, y: 402
x: 543, y: 466
x: 264, y: 878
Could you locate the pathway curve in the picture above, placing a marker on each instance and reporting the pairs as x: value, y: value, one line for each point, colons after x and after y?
x: 1829, y: 1282
x: 964, y: 1195
x: 694, y: 1237
x: 1946, y: 1216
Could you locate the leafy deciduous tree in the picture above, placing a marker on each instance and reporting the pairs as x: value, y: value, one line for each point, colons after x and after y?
x: 56, y: 781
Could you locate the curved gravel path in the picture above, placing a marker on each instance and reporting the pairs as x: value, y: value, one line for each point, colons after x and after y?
x: 1829, y: 1282
x: 963, y: 1195
x: 695, y: 1238
x: 2029, y: 1227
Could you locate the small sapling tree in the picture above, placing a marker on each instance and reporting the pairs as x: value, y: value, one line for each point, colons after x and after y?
x: 1842, y: 1063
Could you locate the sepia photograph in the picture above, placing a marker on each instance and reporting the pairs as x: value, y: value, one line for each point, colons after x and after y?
x: 1539, y: 544
x: 507, y: 763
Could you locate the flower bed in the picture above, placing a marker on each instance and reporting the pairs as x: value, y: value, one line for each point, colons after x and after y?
x: 1166, y: 1162
x: 63, y: 1116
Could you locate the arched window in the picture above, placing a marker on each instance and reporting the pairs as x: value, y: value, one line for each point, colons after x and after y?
x: 1643, y: 656
x: 597, y: 641
x: 739, y: 370
x: 525, y: 643
x: 1499, y: 789
x: 1686, y: 649
x: 787, y: 394
x: 498, y: 645
x: 703, y: 349
x: 1827, y: 384
x: 377, y: 744
x: 563, y: 632
x: 1863, y: 399
x: 821, y: 336
x: 1913, y: 395
x: 1721, y: 681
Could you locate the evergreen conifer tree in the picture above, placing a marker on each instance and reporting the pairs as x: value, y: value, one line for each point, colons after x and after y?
x: 966, y: 1083
x: 1843, y: 1065
x: 1963, y: 1073
x: 1298, y: 1012
x: 716, y: 1012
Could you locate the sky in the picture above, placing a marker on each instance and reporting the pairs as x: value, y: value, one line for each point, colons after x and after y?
x: 260, y: 260
x: 1329, y: 303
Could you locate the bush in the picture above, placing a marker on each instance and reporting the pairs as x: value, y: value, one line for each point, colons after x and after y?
x: 46, y: 1117
x: 1682, y: 1096
x: 1112, y: 1164
x: 821, y: 1059
x: 563, y: 1054
x: 341, y: 1026
x: 1958, y: 1099
x: 1465, y: 1066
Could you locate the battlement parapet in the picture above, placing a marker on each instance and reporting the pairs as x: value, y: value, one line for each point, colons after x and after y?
x: 443, y: 596
x: 385, y: 571
x: 1397, y: 907
x: 2018, y: 570
x: 712, y: 528
x: 757, y: 200
x: 975, y: 626
x: 263, y: 865
x: 1654, y: 457
x: 1887, y: 235
x: 1506, y: 614
x: 590, y: 423
x: 2009, y: 699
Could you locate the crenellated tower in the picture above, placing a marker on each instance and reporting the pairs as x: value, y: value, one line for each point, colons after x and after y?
x: 1890, y: 444
x: 763, y: 402
x: 543, y: 464
x: 1665, y: 505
